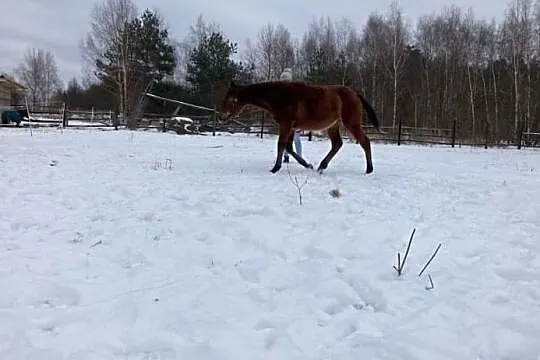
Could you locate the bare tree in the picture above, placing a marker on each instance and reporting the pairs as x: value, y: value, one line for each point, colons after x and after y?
x: 535, y: 121
x: 427, y: 40
x: 518, y: 37
x: 451, y: 30
x: 272, y: 52
x: 493, y: 51
x: 470, y: 35
x: 414, y: 80
x: 265, y: 51
x: 352, y: 74
x: 323, y: 51
x: 346, y: 44
x: 39, y: 73
x: 485, y: 38
x: 397, y: 39
x: 283, y: 51
x: 108, y: 23
x: 196, y: 33
x: 299, y: 66
x: 372, y: 45
x: 199, y: 30
x: 249, y: 56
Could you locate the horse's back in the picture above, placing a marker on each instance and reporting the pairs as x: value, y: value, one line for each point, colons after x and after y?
x: 319, y: 106
x: 316, y: 107
x: 348, y: 96
x: 333, y: 91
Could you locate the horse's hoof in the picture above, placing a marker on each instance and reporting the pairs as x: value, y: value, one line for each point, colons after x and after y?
x: 310, y: 166
x: 274, y: 170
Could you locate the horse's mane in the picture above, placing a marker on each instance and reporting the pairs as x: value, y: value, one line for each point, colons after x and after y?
x: 275, y: 83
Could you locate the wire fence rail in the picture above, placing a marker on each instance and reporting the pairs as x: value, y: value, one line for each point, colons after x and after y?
x: 261, y: 124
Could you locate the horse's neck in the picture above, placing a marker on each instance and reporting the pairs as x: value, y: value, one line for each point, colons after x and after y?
x: 261, y: 104
x: 258, y: 101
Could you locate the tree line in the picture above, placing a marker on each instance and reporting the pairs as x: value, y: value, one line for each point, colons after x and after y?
x: 450, y: 70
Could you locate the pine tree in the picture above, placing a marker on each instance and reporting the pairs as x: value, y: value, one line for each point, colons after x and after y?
x: 149, y: 56
x: 154, y: 53
x: 210, y: 63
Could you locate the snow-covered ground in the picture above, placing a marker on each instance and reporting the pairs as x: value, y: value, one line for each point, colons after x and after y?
x: 142, y: 245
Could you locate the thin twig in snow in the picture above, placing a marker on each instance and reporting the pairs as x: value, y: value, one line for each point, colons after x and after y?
x: 430, y: 259
x: 295, y: 183
x: 430, y: 286
x: 400, y: 264
x: 95, y: 244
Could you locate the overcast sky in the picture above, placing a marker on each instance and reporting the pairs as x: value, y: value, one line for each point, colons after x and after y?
x: 59, y: 25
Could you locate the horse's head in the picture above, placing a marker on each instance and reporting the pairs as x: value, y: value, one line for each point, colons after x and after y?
x: 231, y: 104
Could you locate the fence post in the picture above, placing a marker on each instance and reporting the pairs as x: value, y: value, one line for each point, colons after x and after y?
x: 454, y: 132
x: 399, y: 132
x: 114, y: 116
x: 486, y: 135
x: 64, y: 116
x: 262, y: 124
x: 215, y: 120
x: 520, y: 134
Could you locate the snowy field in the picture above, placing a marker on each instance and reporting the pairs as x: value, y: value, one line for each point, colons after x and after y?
x: 122, y: 245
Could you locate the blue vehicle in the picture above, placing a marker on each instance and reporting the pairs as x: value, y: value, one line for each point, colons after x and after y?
x: 12, y: 116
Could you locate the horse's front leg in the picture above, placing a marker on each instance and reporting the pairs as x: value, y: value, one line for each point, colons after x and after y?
x: 298, y: 158
x: 285, y: 135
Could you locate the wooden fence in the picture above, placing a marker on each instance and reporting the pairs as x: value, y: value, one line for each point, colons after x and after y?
x: 57, y: 115
x: 261, y: 124
x: 90, y: 118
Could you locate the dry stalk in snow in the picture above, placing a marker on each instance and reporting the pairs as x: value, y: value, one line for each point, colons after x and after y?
x: 430, y: 286
x: 400, y: 263
x: 297, y: 184
x: 430, y: 259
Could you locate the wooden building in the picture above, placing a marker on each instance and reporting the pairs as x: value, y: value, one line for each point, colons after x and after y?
x: 11, y: 92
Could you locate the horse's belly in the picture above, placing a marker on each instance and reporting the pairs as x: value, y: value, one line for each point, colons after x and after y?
x: 315, y: 125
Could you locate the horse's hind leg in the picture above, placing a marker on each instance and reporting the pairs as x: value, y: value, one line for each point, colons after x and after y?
x: 355, y: 128
x: 337, y: 143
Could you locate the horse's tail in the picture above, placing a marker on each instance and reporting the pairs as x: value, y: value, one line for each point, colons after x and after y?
x: 372, y: 116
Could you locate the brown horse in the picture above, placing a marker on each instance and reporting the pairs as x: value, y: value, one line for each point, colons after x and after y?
x: 300, y: 105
